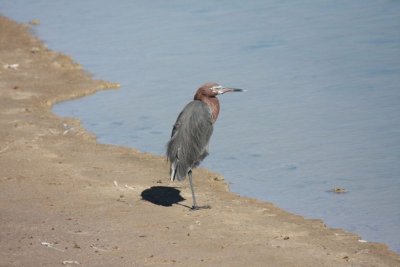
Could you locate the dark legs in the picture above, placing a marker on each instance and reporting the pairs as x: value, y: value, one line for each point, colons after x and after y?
x: 195, y: 207
x: 192, y: 188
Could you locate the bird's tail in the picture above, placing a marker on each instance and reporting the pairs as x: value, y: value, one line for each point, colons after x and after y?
x: 178, y: 170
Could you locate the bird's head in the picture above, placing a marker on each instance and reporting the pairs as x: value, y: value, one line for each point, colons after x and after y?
x: 212, y: 90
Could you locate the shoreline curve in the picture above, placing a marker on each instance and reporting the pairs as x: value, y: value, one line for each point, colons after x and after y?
x: 66, y: 199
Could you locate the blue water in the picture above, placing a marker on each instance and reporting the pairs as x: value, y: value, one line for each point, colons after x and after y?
x: 322, y: 108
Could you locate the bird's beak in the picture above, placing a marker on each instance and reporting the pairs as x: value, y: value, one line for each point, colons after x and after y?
x: 226, y: 90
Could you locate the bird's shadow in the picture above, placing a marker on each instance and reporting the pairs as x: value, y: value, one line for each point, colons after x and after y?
x: 163, y: 196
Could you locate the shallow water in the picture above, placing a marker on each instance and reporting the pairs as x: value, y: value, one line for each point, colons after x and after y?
x: 322, y: 108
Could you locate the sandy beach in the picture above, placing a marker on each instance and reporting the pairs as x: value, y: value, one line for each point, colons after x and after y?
x: 66, y: 200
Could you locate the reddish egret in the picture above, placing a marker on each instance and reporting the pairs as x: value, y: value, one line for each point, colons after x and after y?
x: 191, y: 133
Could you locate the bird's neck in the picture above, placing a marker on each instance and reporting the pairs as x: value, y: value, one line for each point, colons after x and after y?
x: 213, y: 104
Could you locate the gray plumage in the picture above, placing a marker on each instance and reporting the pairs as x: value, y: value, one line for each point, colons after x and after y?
x: 189, y: 139
x: 191, y: 133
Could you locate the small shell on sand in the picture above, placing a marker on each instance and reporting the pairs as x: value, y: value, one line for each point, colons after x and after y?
x: 109, y: 85
x: 11, y: 66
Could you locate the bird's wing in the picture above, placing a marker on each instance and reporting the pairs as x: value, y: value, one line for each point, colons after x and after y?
x: 190, y: 136
x: 176, y: 126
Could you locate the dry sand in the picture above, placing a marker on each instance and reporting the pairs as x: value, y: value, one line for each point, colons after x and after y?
x: 67, y: 200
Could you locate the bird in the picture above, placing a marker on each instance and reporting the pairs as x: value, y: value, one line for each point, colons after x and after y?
x: 192, y: 131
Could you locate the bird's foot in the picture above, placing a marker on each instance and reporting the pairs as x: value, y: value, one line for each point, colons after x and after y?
x: 200, y: 207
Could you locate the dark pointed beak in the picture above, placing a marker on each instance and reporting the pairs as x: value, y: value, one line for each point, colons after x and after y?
x: 226, y: 90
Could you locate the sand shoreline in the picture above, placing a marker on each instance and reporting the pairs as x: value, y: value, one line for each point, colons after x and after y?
x: 65, y: 199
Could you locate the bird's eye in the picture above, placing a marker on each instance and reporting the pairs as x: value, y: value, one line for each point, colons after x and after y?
x: 216, y: 87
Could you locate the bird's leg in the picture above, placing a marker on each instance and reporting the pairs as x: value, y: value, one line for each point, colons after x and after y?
x: 195, y: 207
x: 192, y: 188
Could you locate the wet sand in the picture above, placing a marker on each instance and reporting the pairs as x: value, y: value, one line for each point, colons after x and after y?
x: 67, y: 200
